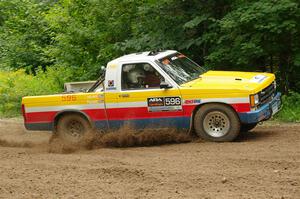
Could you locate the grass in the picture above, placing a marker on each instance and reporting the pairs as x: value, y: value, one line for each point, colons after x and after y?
x: 16, y: 84
x: 290, y: 111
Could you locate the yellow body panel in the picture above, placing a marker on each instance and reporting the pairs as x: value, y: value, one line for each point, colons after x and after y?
x: 144, y: 94
x: 216, y: 83
x: 213, y: 84
x: 63, y: 99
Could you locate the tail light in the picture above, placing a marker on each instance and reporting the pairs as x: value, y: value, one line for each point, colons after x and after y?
x: 23, y: 112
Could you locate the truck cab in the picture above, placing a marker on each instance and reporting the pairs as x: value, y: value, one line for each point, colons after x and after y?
x: 159, y: 90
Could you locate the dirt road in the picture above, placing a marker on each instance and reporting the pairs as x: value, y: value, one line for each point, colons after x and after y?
x: 262, y: 164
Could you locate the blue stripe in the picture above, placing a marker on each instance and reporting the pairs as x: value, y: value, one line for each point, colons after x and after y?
x: 39, y: 126
x: 156, y: 123
x: 153, y: 123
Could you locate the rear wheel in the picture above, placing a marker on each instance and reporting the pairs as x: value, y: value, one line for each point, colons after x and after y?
x: 72, y: 128
x: 217, y: 122
x: 248, y: 127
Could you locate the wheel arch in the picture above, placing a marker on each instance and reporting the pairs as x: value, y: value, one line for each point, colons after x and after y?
x: 70, y: 111
x: 207, y: 103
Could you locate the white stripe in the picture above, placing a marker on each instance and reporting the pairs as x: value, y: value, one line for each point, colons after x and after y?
x: 227, y: 100
x: 144, y: 103
x: 65, y: 107
x: 127, y: 104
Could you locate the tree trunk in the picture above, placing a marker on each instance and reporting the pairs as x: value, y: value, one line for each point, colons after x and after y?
x: 271, y: 64
x: 283, y: 66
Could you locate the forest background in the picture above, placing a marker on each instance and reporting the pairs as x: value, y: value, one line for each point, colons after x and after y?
x: 45, y: 43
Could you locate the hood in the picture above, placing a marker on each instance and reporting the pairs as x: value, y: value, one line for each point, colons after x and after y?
x: 231, y: 80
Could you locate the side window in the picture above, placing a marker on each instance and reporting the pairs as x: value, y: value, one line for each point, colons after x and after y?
x: 140, y: 76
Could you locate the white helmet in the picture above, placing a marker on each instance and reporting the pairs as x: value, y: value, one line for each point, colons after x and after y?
x: 136, y: 76
x: 148, y: 67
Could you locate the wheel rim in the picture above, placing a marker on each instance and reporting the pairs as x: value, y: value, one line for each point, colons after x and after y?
x: 75, y: 128
x: 216, y: 124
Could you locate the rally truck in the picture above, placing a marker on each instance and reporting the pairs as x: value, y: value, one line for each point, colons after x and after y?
x: 159, y: 90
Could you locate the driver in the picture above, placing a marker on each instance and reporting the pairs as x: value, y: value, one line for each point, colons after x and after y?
x: 136, y: 78
x: 152, y: 78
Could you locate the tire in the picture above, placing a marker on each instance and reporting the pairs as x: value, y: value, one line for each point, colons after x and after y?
x: 217, y: 122
x: 248, y: 127
x: 72, y: 128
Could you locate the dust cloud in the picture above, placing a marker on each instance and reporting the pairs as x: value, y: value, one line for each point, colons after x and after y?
x: 125, y: 137
x: 122, y: 138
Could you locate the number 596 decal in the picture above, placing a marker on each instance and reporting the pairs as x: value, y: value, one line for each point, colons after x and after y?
x: 172, y: 101
x: 160, y: 104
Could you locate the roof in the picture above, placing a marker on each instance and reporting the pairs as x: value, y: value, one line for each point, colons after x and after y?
x: 144, y: 56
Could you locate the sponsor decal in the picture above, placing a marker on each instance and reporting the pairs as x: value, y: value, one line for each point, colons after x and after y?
x: 258, y: 78
x: 92, y: 97
x: 155, y: 101
x: 111, y: 88
x: 192, y: 101
x: 111, y: 83
x: 158, y: 104
x: 68, y: 98
x: 92, y: 101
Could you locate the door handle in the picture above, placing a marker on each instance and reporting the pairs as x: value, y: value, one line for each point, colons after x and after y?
x: 124, y: 95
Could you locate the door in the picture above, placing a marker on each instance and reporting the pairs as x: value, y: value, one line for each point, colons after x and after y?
x: 143, y: 104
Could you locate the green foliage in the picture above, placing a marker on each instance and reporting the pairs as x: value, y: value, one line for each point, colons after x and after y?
x: 83, y: 35
x: 259, y: 34
x: 87, y: 32
x: 291, y: 108
x: 24, y: 34
x: 15, y: 85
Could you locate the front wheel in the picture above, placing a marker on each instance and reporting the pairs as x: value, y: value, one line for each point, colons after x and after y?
x: 217, y: 122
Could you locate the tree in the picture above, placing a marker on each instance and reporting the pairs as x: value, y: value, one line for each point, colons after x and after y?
x: 87, y: 32
x: 261, y: 33
x: 24, y: 34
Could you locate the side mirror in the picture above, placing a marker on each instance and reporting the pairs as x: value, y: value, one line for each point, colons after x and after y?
x: 102, y: 69
x: 165, y: 85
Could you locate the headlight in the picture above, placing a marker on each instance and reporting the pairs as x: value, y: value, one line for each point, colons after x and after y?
x: 254, y: 100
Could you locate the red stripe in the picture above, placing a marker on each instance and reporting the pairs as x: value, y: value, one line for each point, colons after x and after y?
x: 94, y: 114
x: 40, y: 117
x: 188, y: 109
x: 241, y: 107
x: 125, y: 113
x: 139, y: 113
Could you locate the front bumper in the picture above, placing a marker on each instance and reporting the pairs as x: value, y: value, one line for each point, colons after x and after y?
x: 263, y: 113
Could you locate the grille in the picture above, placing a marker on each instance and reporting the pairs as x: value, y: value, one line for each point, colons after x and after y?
x: 267, y: 94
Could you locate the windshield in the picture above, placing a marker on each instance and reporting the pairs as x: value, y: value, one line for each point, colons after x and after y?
x: 180, y: 68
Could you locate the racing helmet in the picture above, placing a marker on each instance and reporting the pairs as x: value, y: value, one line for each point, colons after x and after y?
x: 136, y: 76
x: 148, y: 68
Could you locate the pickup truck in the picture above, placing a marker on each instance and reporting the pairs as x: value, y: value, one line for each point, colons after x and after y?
x: 159, y: 90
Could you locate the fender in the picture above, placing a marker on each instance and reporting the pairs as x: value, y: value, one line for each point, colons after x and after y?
x: 71, y: 111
